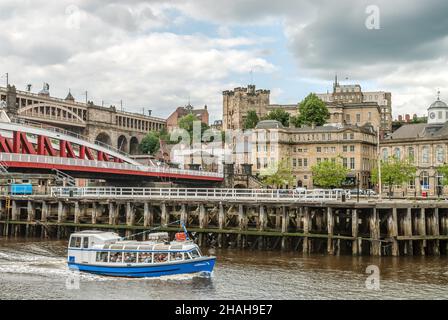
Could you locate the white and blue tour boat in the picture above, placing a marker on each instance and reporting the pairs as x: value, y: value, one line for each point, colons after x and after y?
x: 106, y: 253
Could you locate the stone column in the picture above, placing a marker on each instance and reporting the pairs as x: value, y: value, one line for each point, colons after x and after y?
x: 285, y: 225
x: 164, y: 219
x: 355, y: 226
x: 94, y: 212
x: 421, y: 226
x: 306, y: 226
x: 130, y: 214
x: 112, y: 213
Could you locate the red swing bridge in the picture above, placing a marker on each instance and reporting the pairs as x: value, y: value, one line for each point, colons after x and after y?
x: 35, y: 148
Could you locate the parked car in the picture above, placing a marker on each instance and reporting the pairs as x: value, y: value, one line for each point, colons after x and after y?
x: 355, y: 192
x: 300, y: 190
x: 370, y: 192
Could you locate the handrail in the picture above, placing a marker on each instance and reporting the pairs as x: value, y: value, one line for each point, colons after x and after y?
x: 198, y: 194
x: 18, y: 157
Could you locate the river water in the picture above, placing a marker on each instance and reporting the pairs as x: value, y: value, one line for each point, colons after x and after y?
x: 36, y: 269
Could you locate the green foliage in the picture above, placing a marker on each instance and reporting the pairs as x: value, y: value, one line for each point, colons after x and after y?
x: 251, y: 120
x: 186, y: 123
x: 150, y: 144
x: 312, y: 110
x: 278, y: 174
x: 328, y: 174
x: 443, y: 170
x: 280, y: 115
x: 395, y: 172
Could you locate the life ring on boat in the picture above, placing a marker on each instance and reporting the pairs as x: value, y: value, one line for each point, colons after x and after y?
x: 180, y: 236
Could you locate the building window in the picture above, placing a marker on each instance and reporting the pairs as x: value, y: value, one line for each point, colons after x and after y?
x: 358, y: 117
x: 352, y: 163
x: 385, y: 154
x: 344, y: 162
x: 344, y: 148
x: 397, y: 153
x: 345, y: 136
x: 352, y: 136
x: 424, y: 180
x: 318, y: 160
x: 299, y: 162
x: 440, y: 154
x: 318, y: 149
x: 425, y: 155
x: 305, y: 163
x: 352, y: 148
x: 411, y: 153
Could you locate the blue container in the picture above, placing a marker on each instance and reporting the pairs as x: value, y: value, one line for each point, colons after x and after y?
x: 23, y: 188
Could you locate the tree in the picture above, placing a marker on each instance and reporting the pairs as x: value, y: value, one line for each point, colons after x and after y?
x: 150, y: 144
x: 280, y: 115
x: 328, y: 174
x: 312, y: 110
x: 186, y: 123
x: 394, y: 172
x: 278, y: 174
x: 251, y: 120
x: 443, y: 170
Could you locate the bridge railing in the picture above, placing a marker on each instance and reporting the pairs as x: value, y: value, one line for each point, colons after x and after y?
x: 16, y: 157
x: 220, y: 194
x: 38, y: 125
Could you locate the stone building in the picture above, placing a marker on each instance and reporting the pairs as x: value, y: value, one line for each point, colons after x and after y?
x: 355, y: 146
x: 237, y: 103
x: 354, y: 94
x: 426, y: 145
x: 119, y: 129
x: 173, y: 120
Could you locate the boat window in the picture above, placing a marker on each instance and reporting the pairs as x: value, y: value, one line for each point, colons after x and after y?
x: 176, y: 247
x: 116, y: 257
x: 160, y: 257
x: 116, y: 247
x: 75, y: 242
x: 85, y: 242
x: 175, y: 256
x: 186, y: 256
x: 130, y: 257
x: 145, y: 248
x: 194, y: 254
x: 102, y: 256
x: 106, y: 246
x: 145, y: 257
x: 130, y: 247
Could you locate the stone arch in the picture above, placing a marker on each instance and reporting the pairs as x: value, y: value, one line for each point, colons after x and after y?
x: 133, y: 145
x: 104, y: 138
x: 122, y: 143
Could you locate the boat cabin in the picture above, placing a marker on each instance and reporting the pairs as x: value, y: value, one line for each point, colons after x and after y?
x: 107, y: 248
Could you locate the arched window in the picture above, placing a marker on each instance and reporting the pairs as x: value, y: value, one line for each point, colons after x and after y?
x: 440, y: 154
x: 425, y: 155
x: 385, y: 154
x: 411, y: 153
x: 397, y: 153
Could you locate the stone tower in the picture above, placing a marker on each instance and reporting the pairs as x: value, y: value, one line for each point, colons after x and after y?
x: 237, y: 102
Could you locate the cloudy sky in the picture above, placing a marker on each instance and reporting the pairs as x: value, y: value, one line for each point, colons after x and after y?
x: 159, y: 54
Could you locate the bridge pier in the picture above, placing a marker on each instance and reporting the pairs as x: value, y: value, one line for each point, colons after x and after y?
x: 409, y: 248
x: 164, y: 219
x: 242, y: 223
x: 285, y: 225
x: 330, y: 230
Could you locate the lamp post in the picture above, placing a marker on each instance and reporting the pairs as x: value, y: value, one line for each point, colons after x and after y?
x: 379, y: 162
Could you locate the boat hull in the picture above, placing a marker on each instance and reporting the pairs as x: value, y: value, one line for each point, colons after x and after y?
x: 157, y: 270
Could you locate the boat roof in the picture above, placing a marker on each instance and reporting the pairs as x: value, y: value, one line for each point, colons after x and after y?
x: 103, y: 235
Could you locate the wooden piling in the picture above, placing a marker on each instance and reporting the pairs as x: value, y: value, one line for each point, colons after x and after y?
x: 285, y: 225
x: 355, y: 225
x: 375, y: 244
x: 95, y: 210
x: 77, y: 212
x: 409, y: 248
x: 392, y: 230
x: 306, y: 229
x: 164, y: 218
x: 330, y: 230
x: 421, y: 226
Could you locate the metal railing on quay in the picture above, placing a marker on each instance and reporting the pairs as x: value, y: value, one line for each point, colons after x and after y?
x: 199, y: 194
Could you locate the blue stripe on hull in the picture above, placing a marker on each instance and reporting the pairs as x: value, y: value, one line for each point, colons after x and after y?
x: 205, y: 265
